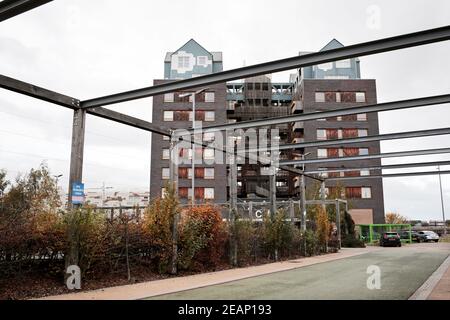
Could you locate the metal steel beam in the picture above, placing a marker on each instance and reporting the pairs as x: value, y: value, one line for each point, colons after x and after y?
x: 299, y: 172
x: 73, y: 103
x: 357, y: 50
x: 38, y: 92
x: 369, y: 157
x: 387, y: 106
x: 391, y: 175
x: 382, y: 167
x: 387, y: 136
x: 11, y: 8
x: 128, y: 120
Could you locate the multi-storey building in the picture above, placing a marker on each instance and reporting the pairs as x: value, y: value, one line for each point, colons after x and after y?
x: 258, y: 98
x: 174, y: 110
x: 317, y: 88
x: 331, y: 86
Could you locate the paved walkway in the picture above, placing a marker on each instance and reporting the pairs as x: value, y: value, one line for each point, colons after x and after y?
x: 402, y: 271
x: 171, y: 285
x: 442, y: 290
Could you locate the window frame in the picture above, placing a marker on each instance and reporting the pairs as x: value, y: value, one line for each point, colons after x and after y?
x: 167, y: 112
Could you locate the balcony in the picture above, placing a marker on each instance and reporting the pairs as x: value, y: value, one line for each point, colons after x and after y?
x: 297, y: 126
x: 297, y: 107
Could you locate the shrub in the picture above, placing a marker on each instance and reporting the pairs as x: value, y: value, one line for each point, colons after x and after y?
x: 350, y: 241
x: 246, y: 237
x: 277, y: 233
x: 157, y: 225
x: 88, y: 238
x: 202, y: 238
x: 311, y: 243
x: 323, y: 228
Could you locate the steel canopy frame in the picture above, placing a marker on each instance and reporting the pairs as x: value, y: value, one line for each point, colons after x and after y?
x: 369, y: 157
x: 74, y: 104
x: 391, y: 175
x: 380, y: 137
x: 381, y: 167
x: 12, y: 8
x: 357, y: 50
x: 386, y: 106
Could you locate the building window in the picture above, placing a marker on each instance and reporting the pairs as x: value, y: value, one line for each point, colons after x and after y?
x: 360, y: 97
x: 183, y: 62
x: 361, y: 117
x: 166, y: 154
x: 366, y: 192
x: 209, y: 193
x: 338, y: 97
x: 343, y: 63
x: 362, y: 132
x: 321, y: 134
x: 168, y: 115
x: 209, y: 97
x: 208, y: 154
x: 166, y: 138
x: 202, y: 60
x: 165, y: 173
x: 365, y: 172
x: 209, y: 173
x: 320, y: 96
x: 210, y: 115
x: 169, y: 97
x: 363, y: 151
x: 322, y: 153
x: 209, y: 136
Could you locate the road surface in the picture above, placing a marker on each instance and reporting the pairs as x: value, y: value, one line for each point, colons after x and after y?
x: 403, y: 271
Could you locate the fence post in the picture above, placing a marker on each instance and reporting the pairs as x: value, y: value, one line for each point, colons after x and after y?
x: 174, y: 182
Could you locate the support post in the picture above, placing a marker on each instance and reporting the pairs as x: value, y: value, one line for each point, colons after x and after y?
x: 76, y: 175
x: 291, y: 211
x: 77, y: 151
x: 233, y: 207
x: 173, y: 171
x: 322, y: 195
x: 338, y: 222
x: 273, y: 184
x: 303, y: 202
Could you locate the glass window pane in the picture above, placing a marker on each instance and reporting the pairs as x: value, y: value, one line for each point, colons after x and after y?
x: 168, y: 97
x: 320, y: 96
x: 209, y: 97
x: 360, y: 97
x: 210, y: 115
x: 168, y: 115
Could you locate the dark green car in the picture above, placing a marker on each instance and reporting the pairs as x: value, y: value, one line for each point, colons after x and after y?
x: 390, y: 239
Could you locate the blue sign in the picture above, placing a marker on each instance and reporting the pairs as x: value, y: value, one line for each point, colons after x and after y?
x: 77, y: 193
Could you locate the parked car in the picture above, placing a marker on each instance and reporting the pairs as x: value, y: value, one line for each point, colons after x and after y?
x: 415, y: 236
x: 390, y: 239
x: 429, y: 236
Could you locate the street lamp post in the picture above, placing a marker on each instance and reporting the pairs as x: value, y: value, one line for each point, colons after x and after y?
x: 193, y: 94
x: 442, y: 201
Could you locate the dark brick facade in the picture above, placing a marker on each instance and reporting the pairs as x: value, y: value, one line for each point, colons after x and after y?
x: 219, y: 183
x: 306, y: 93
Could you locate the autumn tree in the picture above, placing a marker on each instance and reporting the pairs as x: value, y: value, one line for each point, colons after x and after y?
x: 395, y: 218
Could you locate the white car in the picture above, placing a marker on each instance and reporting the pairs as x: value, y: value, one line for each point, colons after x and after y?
x: 429, y: 236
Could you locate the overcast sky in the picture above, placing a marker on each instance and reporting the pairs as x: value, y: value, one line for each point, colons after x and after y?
x: 90, y: 48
